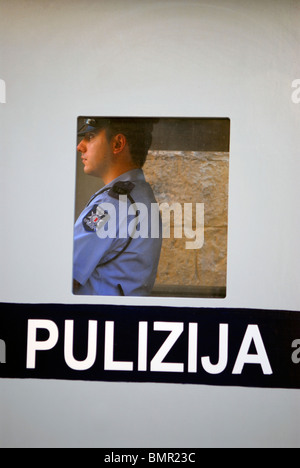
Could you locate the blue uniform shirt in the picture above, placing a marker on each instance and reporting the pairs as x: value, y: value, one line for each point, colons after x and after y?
x: 117, y: 240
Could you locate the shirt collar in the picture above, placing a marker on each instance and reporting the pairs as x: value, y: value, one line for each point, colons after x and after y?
x: 133, y: 175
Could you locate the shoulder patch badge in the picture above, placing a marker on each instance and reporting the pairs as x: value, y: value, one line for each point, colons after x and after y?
x: 95, y: 219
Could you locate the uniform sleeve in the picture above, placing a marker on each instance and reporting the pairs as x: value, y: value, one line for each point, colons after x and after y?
x: 96, y: 239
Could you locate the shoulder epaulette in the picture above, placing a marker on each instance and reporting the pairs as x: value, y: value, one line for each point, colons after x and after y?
x: 121, y: 188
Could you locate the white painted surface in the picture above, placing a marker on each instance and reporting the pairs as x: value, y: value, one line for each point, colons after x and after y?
x: 226, y: 58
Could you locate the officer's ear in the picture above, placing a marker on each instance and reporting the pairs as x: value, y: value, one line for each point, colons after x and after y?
x: 118, y: 143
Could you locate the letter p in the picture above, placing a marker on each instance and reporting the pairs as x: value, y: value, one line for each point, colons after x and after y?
x: 33, y: 345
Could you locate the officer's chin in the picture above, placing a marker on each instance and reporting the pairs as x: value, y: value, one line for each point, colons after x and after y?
x: 86, y: 170
x: 90, y: 172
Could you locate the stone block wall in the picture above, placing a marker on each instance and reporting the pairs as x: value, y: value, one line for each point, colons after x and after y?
x: 192, y: 177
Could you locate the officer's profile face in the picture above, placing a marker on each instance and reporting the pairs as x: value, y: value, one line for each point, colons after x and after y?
x: 96, y: 153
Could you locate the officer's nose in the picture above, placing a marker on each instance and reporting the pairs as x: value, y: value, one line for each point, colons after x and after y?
x: 81, y: 147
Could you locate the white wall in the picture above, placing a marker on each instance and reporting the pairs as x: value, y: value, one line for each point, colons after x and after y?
x: 228, y: 58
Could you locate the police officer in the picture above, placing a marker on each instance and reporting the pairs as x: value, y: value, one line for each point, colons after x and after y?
x: 116, y: 245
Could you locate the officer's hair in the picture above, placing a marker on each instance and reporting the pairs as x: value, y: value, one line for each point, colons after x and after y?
x: 138, y: 133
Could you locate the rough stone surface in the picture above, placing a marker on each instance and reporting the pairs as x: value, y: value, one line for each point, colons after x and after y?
x: 193, y: 177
